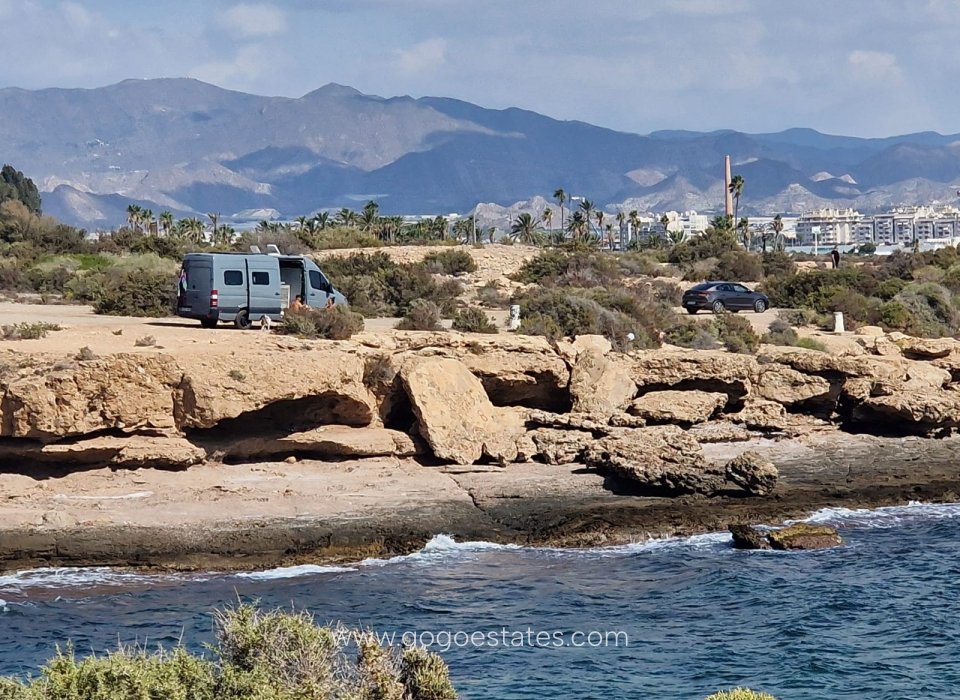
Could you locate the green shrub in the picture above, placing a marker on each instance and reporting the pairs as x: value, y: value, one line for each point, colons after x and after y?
x: 780, y: 333
x: 450, y: 262
x: 811, y: 344
x: 804, y: 288
x: 258, y: 655
x: 634, y: 264
x: 711, y: 244
x: 140, y: 292
x: 740, y: 694
x: 692, y: 334
x: 540, y: 324
x: 378, y: 286
x: 334, y: 323
x: 14, y: 278
x: 738, y: 265
x: 574, y: 312
x: 736, y: 333
x: 857, y: 309
x: 489, y: 295
x: 424, y: 315
x: 473, y: 320
x: 28, y: 331
x: 889, y: 288
x: 923, y: 310
x: 778, y: 264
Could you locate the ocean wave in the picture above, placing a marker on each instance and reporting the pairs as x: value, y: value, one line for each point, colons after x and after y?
x: 885, y: 517
x: 282, y: 572
x: 56, y: 578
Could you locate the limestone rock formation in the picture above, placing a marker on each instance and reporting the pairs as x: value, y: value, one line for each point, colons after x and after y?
x: 120, y: 392
x: 787, y: 386
x: 805, y: 536
x: 599, y: 385
x: 706, y: 370
x: 327, y: 386
x: 659, y: 459
x: 163, y: 452
x: 454, y: 414
x: 748, y: 537
x: 678, y: 406
x: 753, y: 473
x: 328, y: 441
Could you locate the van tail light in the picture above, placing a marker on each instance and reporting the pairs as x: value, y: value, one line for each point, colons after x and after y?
x: 214, y: 299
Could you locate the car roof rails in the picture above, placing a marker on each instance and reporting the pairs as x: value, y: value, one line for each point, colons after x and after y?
x: 255, y: 249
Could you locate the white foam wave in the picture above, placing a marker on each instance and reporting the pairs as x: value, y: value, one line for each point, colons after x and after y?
x: 87, y: 577
x: 885, y: 517
x: 293, y: 572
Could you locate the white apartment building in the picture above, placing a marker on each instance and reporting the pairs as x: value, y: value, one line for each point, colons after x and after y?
x: 907, y: 224
x: 828, y: 226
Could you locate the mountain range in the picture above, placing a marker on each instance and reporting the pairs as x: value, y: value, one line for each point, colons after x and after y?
x: 191, y: 147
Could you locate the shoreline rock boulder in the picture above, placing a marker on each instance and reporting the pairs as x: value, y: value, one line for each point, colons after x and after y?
x: 799, y: 536
x: 753, y: 473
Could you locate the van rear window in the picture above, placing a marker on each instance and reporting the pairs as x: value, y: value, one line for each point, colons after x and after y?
x: 260, y: 277
x: 233, y: 278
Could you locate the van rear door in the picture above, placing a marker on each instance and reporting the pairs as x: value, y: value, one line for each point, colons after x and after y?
x: 194, y: 287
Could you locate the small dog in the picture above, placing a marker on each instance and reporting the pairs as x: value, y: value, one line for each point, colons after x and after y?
x: 265, y: 323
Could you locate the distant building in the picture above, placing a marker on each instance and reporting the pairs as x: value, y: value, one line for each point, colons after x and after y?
x: 828, y: 227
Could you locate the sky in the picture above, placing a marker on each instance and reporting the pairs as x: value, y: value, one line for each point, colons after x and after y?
x: 852, y: 67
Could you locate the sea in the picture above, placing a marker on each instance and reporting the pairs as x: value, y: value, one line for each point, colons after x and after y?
x: 878, y: 618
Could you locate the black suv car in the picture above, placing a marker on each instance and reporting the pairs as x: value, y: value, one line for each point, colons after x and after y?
x: 720, y: 296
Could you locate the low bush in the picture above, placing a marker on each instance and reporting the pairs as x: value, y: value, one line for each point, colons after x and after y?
x: 811, y: 344
x: 778, y: 264
x: 924, y: 310
x: 28, y: 331
x: 780, y: 333
x: 736, y: 333
x: 473, y: 320
x: 334, y: 323
x: 740, y: 694
x: 692, y: 334
x: 489, y: 295
x: 140, y: 292
x: 451, y: 261
x: 738, y: 265
x: 378, y: 286
x: 424, y: 315
x: 263, y: 655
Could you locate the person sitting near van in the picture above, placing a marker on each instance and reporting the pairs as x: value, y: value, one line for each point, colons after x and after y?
x: 297, y: 304
x: 330, y: 302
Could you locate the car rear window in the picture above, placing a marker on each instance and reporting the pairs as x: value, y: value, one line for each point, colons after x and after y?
x: 701, y: 287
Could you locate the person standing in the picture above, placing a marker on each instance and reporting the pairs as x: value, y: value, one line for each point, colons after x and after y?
x: 835, y: 257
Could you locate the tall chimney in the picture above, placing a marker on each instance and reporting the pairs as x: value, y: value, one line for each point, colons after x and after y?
x: 728, y: 195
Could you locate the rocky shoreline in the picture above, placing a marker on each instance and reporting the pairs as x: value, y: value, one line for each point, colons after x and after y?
x: 291, y: 451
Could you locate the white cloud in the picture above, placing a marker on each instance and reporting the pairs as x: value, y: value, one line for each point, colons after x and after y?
x: 421, y: 58
x: 874, y: 66
x: 76, y: 15
x: 247, y: 20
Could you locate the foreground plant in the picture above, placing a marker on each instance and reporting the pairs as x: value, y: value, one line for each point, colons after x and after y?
x: 258, y: 656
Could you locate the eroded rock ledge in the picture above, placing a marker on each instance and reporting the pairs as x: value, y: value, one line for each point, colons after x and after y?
x: 645, y: 422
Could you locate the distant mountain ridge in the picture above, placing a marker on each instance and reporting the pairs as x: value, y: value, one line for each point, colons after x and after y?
x: 191, y: 147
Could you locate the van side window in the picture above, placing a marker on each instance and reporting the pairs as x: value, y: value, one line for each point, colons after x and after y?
x: 233, y: 278
x: 317, y: 281
x: 260, y: 277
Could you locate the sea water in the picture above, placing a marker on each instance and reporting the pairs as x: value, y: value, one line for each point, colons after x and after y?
x: 680, y: 618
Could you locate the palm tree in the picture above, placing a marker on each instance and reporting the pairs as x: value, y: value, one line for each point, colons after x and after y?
x: 621, y: 220
x: 586, y: 206
x: 736, y: 189
x: 224, y: 236
x: 370, y: 216
x: 193, y: 230
x: 776, y: 226
x: 147, y: 218
x: 722, y: 223
x: 301, y: 223
x: 322, y: 218
x: 578, y: 226
x: 166, y: 221
x: 524, y: 229
x: 547, y: 217
x: 665, y: 222
x: 744, y: 227
x: 214, y: 217
x: 598, y: 215
x: 134, y: 216
x: 561, y: 197
x: 609, y: 231
x: 346, y: 217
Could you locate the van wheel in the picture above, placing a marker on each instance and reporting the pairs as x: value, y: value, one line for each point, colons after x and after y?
x: 242, y: 321
x: 208, y: 322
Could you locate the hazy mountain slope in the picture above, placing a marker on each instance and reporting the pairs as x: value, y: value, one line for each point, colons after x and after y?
x: 189, y: 147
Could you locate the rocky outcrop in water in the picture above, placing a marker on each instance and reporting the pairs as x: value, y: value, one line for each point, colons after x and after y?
x: 799, y: 536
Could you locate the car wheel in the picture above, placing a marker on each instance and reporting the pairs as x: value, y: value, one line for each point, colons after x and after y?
x: 718, y: 307
x: 242, y: 321
x: 759, y: 306
x: 692, y: 311
x: 208, y: 322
